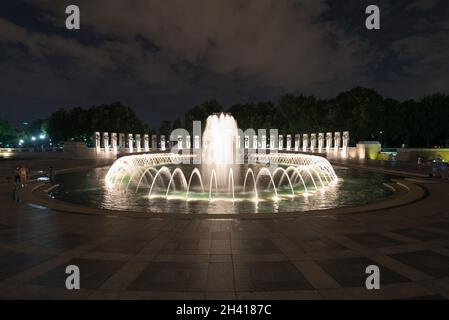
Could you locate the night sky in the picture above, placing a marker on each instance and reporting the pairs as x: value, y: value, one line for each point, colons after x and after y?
x: 163, y: 57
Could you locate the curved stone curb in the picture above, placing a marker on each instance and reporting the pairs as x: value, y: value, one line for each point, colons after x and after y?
x: 399, y: 173
x: 405, y: 193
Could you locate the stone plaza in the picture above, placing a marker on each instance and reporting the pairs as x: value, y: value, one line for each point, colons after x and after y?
x: 307, y: 256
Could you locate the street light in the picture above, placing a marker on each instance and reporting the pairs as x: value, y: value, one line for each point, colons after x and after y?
x: 33, y: 138
x: 42, y: 136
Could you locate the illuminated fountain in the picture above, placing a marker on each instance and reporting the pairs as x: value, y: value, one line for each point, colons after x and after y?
x: 267, y: 177
x: 219, y: 152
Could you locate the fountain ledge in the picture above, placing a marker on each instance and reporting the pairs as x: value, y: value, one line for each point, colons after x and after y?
x: 406, y: 192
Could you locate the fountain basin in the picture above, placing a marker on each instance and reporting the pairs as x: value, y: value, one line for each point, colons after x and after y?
x: 115, y: 187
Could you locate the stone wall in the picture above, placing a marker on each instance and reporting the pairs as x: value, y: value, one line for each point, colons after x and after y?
x: 411, y: 155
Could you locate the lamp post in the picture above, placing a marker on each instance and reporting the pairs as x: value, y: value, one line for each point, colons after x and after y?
x: 33, y: 139
x: 42, y: 138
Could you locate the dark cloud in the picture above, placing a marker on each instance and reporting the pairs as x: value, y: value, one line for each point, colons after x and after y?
x: 165, y: 56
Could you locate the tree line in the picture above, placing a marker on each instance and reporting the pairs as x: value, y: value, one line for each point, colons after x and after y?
x: 364, y: 112
x: 75, y: 124
x: 79, y: 124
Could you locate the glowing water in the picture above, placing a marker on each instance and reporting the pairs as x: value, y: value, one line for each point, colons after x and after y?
x: 219, y: 150
x: 218, y: 177
x: 298, y: 174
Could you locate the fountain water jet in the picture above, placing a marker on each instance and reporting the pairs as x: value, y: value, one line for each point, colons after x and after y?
x: 219, y: 147
x: 218, y: 177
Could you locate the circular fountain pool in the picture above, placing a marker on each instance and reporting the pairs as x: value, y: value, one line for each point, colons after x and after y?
x: 352, y: 188
x: 223, y: 175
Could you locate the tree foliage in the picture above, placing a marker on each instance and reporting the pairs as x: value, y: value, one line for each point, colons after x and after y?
x: 79, y: 124
x: 364, y: 112
x: 7, y: 133
x: 199, y: 113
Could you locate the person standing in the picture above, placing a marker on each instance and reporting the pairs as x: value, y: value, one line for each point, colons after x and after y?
x: 17, y: 175
x: 444, y: 171
x: 442, y: 168
x: 51, y: 176
x: 16, y: 187
x: 23, y: 175
x: 15, y: 192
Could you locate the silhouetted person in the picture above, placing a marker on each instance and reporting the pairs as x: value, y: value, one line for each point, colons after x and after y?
x: 23, y: 172
x: 51, y: 174
x: 17, y: 184
x: 15, y: 192
x: 17, y: 175
x: 443, y: 170
x: 420, y: 161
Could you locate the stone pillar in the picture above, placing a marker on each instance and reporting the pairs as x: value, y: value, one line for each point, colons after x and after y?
x: 289, y: 142
x: 272, y: 142
x: 264, y: 142
x: 280, y: 142
x: 297, y: 142
x: 328, y: 141
x: 368, y: 149
x: 106, y: 141
x: 121, y: 142
x: 130, y: 143
x: 305, y: 142
x: 255, y: 146
x: 188, y: 142
x: 138, y: 143
x: 114, y: 142
x: 154, y: 142
x: 197, y: 143
x: 337, y: 141
x: 312, y: 142
x: 180, y: 144
x: 345, y: 141
x: 320, y: 142
x: 170, y: 141
x: 97, y: 141
x: 146, y: 142
x: 163, y: 143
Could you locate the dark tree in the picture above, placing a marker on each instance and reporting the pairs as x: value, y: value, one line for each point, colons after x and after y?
x: 79, y: 124
x: 200, y: 113
x: 165, y: 128
x: 7, y: 134
x: 362, y: 111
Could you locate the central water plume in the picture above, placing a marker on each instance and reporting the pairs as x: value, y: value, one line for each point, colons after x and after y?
x: 219, y: 150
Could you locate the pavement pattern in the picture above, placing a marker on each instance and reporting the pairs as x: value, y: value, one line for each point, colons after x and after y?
x: 307, y: 257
